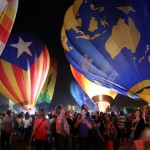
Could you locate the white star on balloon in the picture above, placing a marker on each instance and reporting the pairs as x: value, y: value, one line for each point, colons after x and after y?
x: 22, y: 47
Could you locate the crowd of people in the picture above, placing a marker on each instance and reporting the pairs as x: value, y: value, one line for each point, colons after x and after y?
x: 82, y: 130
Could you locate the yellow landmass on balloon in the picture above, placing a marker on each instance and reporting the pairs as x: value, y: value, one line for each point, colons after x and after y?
x: 144, y: 94
x: 123, y: 35
x: 126, y: 9
x: 93, y: 24
x: 76, y: 6
x: 99, y: 9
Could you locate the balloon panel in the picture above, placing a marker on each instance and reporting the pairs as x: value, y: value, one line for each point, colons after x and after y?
x: 24, y: 65
x: 90, y: 88
x: 8, y: 10
x: 80, y: 96
x: 47, y: 91
x: 109, y: 44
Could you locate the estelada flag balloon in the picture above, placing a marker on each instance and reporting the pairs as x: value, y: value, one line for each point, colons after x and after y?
x: 8, y: 11
x: 24, y: 65
x: 109, y: 43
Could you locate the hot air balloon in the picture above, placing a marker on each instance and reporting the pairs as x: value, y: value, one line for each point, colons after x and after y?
x: 80, y: 96
x: 101, y: 96
x: 108, y: 42
x: 89, y: 87
x: 24, y: 65
x: 46, y: 94
x: 8, y: 10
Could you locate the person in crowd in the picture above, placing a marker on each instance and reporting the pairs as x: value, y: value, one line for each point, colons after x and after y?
x: 98, y: 140
x: 84, y: 124
x: 121, y: 124
x: 62, y: 129
x: 71, y: 132
x: 138, y: 125
x: 6, y: 130
x: 27, y: 122
x: 19, y: 120
x: 15, y: 123
x: 109, y: 132
x: 39, y: 132
x: 146, y: 117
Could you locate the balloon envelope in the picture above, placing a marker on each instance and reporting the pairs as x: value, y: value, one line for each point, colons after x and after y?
x: 24, y: 65
x: 80, y: 96
x: 109, y: 44
x: 47, y: 91
x: 90, y: 88
x: 8, y: 10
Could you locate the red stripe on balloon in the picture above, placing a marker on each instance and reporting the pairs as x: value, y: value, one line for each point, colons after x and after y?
x: 77, y: 76
x: 45, y: 68
x: 33, y: 77
x: 7, y: 84
x: 3, y: 34
x: 20, y: 82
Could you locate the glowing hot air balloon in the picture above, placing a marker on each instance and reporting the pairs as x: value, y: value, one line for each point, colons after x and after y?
x: 109, y: 43
x: 8, y: 10
x: 89, y: 87
x: 46, y: 94
x: 24, y: 65
x: 80, y: 96
x: 100, y: 95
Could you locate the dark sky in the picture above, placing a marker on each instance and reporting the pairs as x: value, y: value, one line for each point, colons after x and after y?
x: 44, y: 19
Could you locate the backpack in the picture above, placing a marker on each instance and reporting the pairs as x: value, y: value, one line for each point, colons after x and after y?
x: 8, y: 127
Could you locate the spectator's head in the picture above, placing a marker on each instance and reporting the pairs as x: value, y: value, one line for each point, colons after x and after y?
x: 41, y: 113
x: 85, y: 107
x: 8, y: 112
x: 121, y: 113
x: 27, y: 115
x: 60, y: 109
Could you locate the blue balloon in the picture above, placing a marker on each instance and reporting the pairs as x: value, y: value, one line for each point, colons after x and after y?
x: 80, y: 96
x: 109, y: 43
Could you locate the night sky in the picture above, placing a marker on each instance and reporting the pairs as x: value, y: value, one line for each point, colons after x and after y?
x: 45, y: 20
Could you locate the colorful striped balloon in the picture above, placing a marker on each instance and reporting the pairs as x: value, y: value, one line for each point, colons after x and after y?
x: 47, y: 91
x: 24, y: 65
x: 8, y: 10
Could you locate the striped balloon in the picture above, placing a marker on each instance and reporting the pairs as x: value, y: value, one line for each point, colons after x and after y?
x: 48, y: 88
x: 8, y: 10
x: 24, y: 65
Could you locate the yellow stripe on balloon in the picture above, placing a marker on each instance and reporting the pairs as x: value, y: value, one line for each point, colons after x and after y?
x: 3, y: 89
x: 40, y: 63
x: 11, y: 78
x: 11, y: 10
x: 27, y: 84
x: 52, y: 83
x: 145, y: 95
x: 140, y: 86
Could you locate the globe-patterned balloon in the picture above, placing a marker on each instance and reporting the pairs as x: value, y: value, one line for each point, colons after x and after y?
x: 109, y: 43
